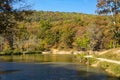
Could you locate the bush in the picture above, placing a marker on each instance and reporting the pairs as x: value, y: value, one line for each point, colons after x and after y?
x: 9, y: 52
x: 81, y: 58
x: 17, y: 53
x: 91, y: 60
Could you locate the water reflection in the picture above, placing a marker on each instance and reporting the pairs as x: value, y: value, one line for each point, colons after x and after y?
x: 38, y: 58
x: 9, y: 71
x: 50, y: 67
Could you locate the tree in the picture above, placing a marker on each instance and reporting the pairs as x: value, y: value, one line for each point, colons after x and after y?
x: 96, y: 37
x: 83, y: 42
x: 67, y: 34
x: 45, y: 34
x: 111, y: 7
x: 7, y: 14
x: 8, y: 17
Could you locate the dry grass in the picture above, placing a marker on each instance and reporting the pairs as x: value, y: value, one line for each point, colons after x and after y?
x: 113, y: 54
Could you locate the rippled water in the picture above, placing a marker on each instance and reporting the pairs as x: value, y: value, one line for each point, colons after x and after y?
x: 48, y: 70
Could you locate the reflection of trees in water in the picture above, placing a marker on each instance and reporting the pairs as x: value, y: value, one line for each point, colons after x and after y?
x: 9, y: 71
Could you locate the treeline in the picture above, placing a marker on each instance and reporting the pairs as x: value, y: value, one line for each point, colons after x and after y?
x: 42, y: 30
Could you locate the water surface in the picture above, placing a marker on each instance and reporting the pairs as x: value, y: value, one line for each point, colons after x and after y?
x: 57, y: 67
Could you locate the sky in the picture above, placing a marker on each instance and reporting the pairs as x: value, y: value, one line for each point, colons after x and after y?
x: 80, y: 6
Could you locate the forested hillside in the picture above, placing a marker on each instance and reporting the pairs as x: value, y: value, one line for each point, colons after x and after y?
x: 47, y: 30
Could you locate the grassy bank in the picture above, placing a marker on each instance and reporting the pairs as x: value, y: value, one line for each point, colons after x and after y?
x: 82, y: 59
x: 113, y: 54
x: 111, y: 68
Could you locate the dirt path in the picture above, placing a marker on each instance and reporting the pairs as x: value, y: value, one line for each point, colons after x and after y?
x: 108, y: 60
x: 103, y: 59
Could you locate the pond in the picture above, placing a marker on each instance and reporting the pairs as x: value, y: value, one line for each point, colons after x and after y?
x: 47, y: 67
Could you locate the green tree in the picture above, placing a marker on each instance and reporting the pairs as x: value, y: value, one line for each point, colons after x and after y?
x: 83, y: 42
x: 45, y: 33
x: 45, y: 26
x: 66, y: 38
